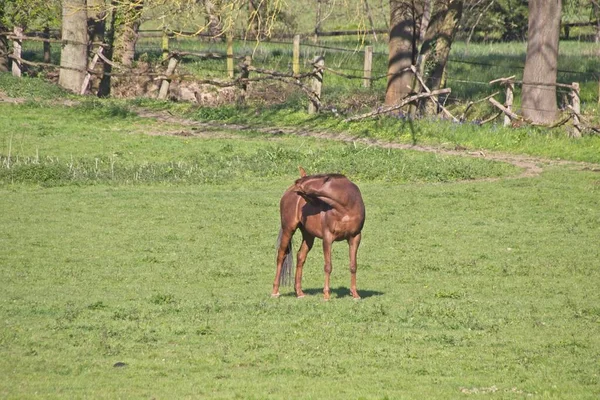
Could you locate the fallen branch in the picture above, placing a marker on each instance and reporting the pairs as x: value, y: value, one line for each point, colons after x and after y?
x: 505, y: 110
x: 493, y: 117
x: 472, y: 103
x: 402, y: 103
x: 503, y: 81
x: 584, y: 123
x: 432, y: 98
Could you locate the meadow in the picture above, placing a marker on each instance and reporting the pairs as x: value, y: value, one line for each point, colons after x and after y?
x: 138, y: 264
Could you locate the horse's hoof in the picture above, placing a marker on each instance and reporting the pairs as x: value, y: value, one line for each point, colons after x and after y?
x: 301, y: 296
x: 274, y: 295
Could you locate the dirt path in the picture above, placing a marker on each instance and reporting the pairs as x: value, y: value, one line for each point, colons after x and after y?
x: 531, y: 166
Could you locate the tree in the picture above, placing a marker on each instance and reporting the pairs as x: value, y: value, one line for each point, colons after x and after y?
x: 214, y: 18
x: 74, y: 54
x: 126, y: 20
x: 3, y: 42
x: 437, y: 42
x: 404, y: 33
x: 256, y: 17
x: 539, y: 76
x: 25, y: 14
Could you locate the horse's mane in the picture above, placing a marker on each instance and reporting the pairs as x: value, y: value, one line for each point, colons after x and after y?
x: 319, y: 176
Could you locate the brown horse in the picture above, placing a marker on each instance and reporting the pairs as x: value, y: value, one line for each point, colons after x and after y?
x: 326, y: 206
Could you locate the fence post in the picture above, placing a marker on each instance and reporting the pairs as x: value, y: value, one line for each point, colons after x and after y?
x: 317, y: 84
x: 245, y: 74
x: 164, y: 86
x: 576, y: 104
x: 510, y: 88
x: 368, y: 66
x: 46, y: 45
x: 230, y: 55
x: 88, y: 75
x: 17, y: 47
x: 296, y: 55
x: 165, y: 44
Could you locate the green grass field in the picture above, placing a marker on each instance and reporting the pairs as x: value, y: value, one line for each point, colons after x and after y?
x: 157, y: 252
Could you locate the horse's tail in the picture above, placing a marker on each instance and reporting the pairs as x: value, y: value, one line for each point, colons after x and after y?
x: 285, y: 278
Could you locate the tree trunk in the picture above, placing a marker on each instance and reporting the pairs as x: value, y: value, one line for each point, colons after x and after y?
x: 73, y: 56
x: 404, y: 18
x: 126, y: 25
x: 47, y: 47
x: 318, y: 20
x: 436, y: 46
x: 215, y: 24
x: 370, y: 18
x: 257, y: 14
x: 427, y: 6
x: 596, y: 12
x: 539, y: 77
x: 4, y: 67
x: 97, y: 32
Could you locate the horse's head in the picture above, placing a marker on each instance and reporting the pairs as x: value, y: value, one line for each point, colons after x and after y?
x: 311, y: 184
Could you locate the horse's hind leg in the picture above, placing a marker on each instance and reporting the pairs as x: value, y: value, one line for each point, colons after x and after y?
x: 327, y: 242
x: 282, y: 253
x: 353, y: 243
x: 307, y: 244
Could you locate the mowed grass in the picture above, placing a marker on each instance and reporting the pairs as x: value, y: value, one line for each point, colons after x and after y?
x: 158, y: 285
x: 468, y: 288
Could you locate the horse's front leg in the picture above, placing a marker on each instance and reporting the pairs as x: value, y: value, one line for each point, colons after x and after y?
x: 327, y: 242
x: 307, y: 244
x: 353, y: 243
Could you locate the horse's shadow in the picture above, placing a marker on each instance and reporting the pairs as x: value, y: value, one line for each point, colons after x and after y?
x: 341, y: 291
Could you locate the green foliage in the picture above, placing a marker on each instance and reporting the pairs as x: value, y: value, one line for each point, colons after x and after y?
x: 30, y: 14
x: 59, y: 154
x: 32, y: 89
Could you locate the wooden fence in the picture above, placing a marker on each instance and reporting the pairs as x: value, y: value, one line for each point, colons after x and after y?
x: 313, y: 90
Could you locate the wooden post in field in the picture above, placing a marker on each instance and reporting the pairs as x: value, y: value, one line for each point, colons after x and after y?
x: 230, y: 55
x: 507, y: 108
x: 46, y: 45
x: 368, y: 66
x: 165, y: 45
x: 17, y: 48
x: 296, y: 55
x: 317, y: 84
x: 245, y: 74
x: 510, y: 89
x: 88, y: 75
x: 576, y: 104
x: 164, y: 86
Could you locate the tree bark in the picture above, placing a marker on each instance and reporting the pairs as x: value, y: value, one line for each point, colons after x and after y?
x: 436, y: 46
x: 73, y: 56
x: 215, y: 24
x: 257, y: 14
x: 596, y: 12
x: 126, y: 19
x: 4, y: 65
x: 318, y: 20
x: 47, y: 47
x: 404, y: 34
x: 539, y: 77
x: 97, y: 32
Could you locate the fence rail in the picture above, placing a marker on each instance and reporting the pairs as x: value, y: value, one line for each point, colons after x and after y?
x: 240, y: 75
